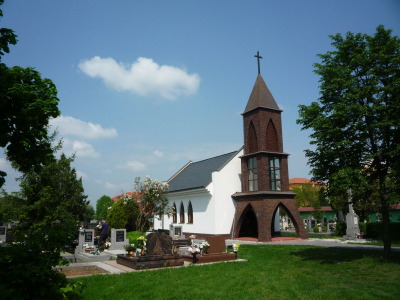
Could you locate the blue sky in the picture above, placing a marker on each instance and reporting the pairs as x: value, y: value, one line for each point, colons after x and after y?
x: 146, y: 86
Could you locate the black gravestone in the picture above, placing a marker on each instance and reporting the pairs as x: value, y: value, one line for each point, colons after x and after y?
x: 119, y: 236
x: 88, y: 237
x: 178, y: 231
x: 2, y: 231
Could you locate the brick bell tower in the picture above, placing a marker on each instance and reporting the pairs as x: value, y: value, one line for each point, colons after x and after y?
x: 265, y: 176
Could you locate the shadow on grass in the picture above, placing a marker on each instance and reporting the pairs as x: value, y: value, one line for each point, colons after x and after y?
x: 339, y: 255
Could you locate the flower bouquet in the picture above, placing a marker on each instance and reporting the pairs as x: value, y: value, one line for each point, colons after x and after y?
x: 107, y: 245
x: 194, y: 251
x: 236, y: 246
x: 141, y: 242
x: 205, y: 246
x: 177, y: 237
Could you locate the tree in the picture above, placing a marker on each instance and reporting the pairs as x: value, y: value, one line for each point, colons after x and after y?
x: 152, y: 201
x: 123, y: 214
x: 27, y: 102
x: 356, y: 124
x: 305, y: 193
x: 89, y: 213
x: 102, y: 206
x: 47, y: 207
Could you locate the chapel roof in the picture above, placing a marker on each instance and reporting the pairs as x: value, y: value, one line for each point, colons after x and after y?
x: 261, y: 96
x: 198, y: 174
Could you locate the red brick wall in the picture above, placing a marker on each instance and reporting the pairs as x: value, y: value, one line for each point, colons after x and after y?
x: 264, y: 209
x: 272, y: 138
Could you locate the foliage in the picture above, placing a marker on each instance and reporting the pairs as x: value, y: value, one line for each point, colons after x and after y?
x: 89, y: 213
x: 355, y: 125
x: 306, y: 193
x: 123, y: 213
x: 27, y: 102
x: 27, y: 273
x: 324, y: 228
x: 291, y: 272
x: 363, y: 227
x: 130, y: 247
x: 316, y: 229
x: 102, y: 206
x: 47, y: 207
x: 133, y: 236
x: 152, y: 201
x: 341, y: 228
x: 374, y: 231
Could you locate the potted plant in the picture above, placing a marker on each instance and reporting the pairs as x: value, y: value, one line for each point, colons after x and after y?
x: 236, y: 246
x: 324, y: 228
x: 130, y: 249
x: 205, y: 246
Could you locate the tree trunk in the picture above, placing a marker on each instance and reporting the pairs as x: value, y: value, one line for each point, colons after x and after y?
x: 387, y: 243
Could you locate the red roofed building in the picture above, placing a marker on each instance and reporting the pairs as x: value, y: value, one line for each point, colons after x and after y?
x: 296, y: 181
x: 116, y: 198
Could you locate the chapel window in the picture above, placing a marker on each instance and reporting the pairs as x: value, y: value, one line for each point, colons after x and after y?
x: 182, y: 214
x: 274, y: 174
x: 253, y: 178
x: 174, y: 218
x: 190, y: 213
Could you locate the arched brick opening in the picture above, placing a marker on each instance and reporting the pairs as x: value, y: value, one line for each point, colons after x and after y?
x: 248, y: 223
x: 272, y: 138
x: 252, y: 144
x: 290, y: 215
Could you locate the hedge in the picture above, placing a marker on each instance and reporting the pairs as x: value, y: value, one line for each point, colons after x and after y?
x: 363, y: 227
x: 375, y: 231
x: 341, y: 228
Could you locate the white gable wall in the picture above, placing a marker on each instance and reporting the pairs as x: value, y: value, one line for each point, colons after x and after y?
x: 226, y: 182
x: 203, y: 210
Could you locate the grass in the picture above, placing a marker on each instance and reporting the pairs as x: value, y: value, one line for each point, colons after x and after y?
x: 316, y: 236
x: 133, y: 235
x: 271, y: 272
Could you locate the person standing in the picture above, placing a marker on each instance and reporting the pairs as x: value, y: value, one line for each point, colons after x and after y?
x: 103, y: 233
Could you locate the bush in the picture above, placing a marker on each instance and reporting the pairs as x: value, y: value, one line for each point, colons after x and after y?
x: 341, y: 228
x: 324, y: 228
x: 133, y: 235
x: 316, y: 229
x: 363, y: 227
x: 375, y: 231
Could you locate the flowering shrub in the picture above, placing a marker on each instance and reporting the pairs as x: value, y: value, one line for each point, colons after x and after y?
x: 236, y: 246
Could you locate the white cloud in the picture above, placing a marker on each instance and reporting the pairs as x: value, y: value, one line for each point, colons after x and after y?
x: 82, y: 148
x: 133, y: 165
x: 110, y: 186
x: 143, y: 77
x: 80, y: 174
x: 158, y: 153
x: 98, y: 181
x: 72, y: 126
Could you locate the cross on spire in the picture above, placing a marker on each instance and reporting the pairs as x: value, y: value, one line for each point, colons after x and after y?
x: 258, y: 60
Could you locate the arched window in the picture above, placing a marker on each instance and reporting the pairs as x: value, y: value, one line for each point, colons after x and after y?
x: 190, y: 213
x: 272, y: 138
x: 252, y: 144
x: 182, y: 214
x: 174, y: 219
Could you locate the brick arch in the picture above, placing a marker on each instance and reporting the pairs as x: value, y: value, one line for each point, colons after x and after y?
x: 295, y: 218
x: 252, y: 143
x: 246, y: 210
x: 272, y: 142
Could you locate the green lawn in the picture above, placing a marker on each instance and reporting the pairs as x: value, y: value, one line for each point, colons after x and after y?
x: 271, y: 272
x: 313, y: 236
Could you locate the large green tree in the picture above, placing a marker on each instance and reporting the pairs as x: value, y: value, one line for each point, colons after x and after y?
x: 102, y: 206
x: 47, y: 207
x: 355, y: 123
x: 27, y: 102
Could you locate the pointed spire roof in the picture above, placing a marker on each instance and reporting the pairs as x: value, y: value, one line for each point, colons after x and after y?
x: 261, y: 97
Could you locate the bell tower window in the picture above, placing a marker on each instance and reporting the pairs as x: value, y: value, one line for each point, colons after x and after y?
x: 253, y: 177
x: 274, y: 174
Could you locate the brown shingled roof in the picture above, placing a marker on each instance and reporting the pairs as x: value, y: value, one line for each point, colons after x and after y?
x: 261, y: 96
